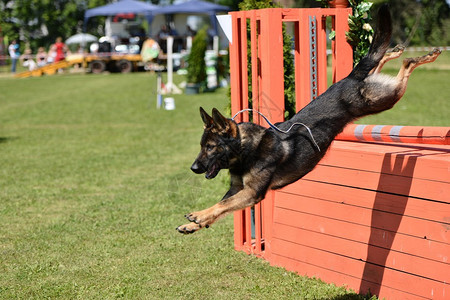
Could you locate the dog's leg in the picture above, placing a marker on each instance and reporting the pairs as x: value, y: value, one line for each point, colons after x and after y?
x: 409, y: 64
x: 395, y: 53
x: 381, y: 92
x: 204, y: 218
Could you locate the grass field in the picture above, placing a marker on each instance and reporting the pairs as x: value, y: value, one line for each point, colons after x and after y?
x: 94, y: 181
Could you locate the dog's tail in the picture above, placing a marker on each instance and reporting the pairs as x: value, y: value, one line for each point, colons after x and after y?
x: 380, y: 44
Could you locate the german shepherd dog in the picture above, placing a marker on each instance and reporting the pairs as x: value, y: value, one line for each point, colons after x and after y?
x: 261, y: 158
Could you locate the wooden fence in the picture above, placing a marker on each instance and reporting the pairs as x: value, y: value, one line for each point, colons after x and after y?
x: 374, y: 215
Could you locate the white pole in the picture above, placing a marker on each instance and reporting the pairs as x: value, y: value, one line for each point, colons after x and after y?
x: 158, y: 91
x: 216, y: 45
x: 170, y: 87
x: 169, y: 64
x: 188, y: 43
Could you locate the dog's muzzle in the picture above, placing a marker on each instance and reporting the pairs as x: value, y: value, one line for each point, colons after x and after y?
x: 198, y: 168
x: 210, y: 171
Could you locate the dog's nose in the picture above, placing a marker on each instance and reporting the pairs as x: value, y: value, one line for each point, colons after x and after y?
x: 197, y: 168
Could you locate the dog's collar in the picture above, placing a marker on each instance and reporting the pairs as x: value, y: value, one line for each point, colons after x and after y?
x: 275, y: 127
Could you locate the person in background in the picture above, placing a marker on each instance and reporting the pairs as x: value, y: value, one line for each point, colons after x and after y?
x: 28, y: 61
x: 14, y: 53
x: 61, y: 49
x: 41, y: 57
x: 51, y: 54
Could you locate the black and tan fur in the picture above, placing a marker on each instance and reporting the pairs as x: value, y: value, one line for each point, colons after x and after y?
x: 261, y: 159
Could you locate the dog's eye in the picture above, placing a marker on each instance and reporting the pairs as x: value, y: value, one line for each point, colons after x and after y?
x: 210, y: 147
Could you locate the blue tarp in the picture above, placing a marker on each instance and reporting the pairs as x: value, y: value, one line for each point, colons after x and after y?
x: 194, y: 7
x: 121, y: 7
x: 149, y: 10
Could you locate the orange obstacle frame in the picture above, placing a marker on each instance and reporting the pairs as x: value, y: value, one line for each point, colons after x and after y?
x: 374, y: 215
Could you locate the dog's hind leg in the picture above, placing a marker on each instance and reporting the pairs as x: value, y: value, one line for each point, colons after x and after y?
x: 409, y: 64
x: 381, y: 92
x: 395, y: 53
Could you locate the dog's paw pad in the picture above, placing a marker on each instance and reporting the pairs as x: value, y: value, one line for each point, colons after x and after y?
x: 188, y: 228
x: 191, y: 217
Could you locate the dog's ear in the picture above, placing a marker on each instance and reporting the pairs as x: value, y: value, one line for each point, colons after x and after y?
x: 220, y: 121
x: 223, y: 124
x: 207, y: 120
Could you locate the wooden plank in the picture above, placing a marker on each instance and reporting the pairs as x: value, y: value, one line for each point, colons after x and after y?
x: 340, y: 279
x: 397, y: 134
x: 303, y: 64
x: 360, y: 250
x: 321, y: 53
x: 254, y: 57
x: 272, y: 71
x: 417, y: 285
x: 356, y: 232
x: 243, y: 66
x: 238, y: 230
x: 396, y: 184
x: 394, y: 159
x: 268, y: 214
x: 422, y: 229
x: 258, y: 229
x: 397, y: 204
x: 235, y: 73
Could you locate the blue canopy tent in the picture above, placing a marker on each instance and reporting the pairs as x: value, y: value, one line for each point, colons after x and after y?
x: 121, y: 7
x: 194, y: 7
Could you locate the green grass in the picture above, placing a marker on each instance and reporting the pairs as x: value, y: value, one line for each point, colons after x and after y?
x: 94, y: 181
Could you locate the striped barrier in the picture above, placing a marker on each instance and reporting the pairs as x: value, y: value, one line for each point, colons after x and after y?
x: 397, y: 134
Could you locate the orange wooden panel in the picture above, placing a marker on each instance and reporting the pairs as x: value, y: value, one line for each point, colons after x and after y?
x: 417, y: 285
x: 414, y: 187
x: 360, y: 250
x: 430, y: 163
x: 419, y: 228
x: 396, y: 204
x: 238, y: 230
x: 378, y: 237
x: 341, y: 279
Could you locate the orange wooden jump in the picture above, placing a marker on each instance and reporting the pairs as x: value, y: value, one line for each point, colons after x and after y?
x: 375, y: 213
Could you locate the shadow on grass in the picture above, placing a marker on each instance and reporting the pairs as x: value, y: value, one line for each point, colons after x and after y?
x: 354, y: 297
x: 7, y: 139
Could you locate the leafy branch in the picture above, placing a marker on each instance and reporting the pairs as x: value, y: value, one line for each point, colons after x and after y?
x: 360, y: 32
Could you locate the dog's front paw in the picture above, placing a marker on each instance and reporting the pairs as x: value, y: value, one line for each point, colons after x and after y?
x: 203, y: 217
x: 189, y: 228
x: 199, y: 219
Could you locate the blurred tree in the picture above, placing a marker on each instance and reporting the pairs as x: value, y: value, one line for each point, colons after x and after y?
x: 233, y: 4
x: 419, y: 22
x: 306, y: 3
x: 40, y: 22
